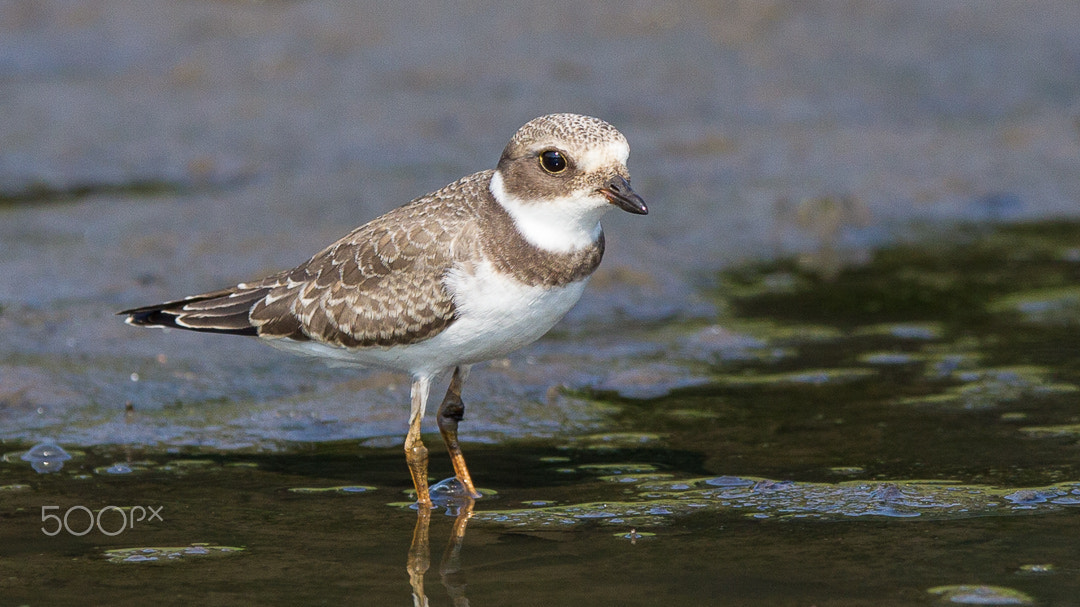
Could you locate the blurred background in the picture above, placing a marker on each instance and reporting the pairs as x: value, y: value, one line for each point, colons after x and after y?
x: 829, y: 300
x: 152, y: 150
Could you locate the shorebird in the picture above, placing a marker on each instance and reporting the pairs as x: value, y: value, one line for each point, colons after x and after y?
x: 471, y: 272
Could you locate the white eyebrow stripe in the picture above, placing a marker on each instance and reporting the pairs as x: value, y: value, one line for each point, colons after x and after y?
x: 614, y: 153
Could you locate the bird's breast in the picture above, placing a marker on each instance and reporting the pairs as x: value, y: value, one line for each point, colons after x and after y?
x: 497, y: 313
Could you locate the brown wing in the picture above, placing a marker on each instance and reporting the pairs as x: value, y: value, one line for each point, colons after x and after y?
x: 381, y: 285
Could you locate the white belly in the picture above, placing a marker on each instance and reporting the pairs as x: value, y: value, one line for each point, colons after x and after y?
x: 496, y: 315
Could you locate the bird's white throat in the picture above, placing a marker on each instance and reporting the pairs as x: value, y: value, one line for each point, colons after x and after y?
x: 558, y: 225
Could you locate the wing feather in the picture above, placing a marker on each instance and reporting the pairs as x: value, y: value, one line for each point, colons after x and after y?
x: 383, y: 284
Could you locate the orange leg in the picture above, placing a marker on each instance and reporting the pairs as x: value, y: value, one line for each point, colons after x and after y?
x: 451, y: 411
x: 416, y: 454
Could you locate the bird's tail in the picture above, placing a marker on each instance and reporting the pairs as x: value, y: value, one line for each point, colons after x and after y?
x: 226, y: 311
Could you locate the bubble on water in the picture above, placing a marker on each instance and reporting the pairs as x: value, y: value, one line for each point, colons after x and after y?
x: 450, y: 493
x: 448, y: 489
x: 635, y: 536
x: 122, y: 468
x: 46, y: 457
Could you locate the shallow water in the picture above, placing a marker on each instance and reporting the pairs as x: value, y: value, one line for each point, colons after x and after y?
x: 900, y: 432
x: 849, y: 425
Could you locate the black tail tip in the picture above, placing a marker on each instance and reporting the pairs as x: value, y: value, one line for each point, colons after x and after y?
x: 148, y: 317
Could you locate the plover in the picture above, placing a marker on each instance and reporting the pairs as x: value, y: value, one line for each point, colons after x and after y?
x: 468, y: 273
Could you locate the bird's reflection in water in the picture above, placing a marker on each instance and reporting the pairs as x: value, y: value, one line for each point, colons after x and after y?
x: 450, y: 495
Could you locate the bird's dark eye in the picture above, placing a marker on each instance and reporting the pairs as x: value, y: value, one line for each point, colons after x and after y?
x: 553, y: 161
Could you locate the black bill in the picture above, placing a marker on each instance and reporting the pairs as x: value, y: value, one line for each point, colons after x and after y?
x: 619, y: 193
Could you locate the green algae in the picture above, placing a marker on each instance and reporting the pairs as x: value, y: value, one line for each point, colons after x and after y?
x: 187, y: 463
x: 960, y: 279
x: 659, y: 501
x: 1049, y: 306
x: 42, y: 192
x: 917, y: 331
x: 618, y: 468
x: 1063, y: 430
x: 775, y: 333
x: 169, y: 554
x: 988, y: 388
x: 635, y: 478
x: 965, y: 594
x: 1037, y: 569
x: 614, y: 440
x: 889, y: 358
x: 802, y: 406
x: 15, y: 487
x: 803, y: 377
x: 847, y: 470
x: 690, y: 414
x: 341, y: 489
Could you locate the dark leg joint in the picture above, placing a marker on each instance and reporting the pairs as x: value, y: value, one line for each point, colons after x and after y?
x: 452, y: 410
